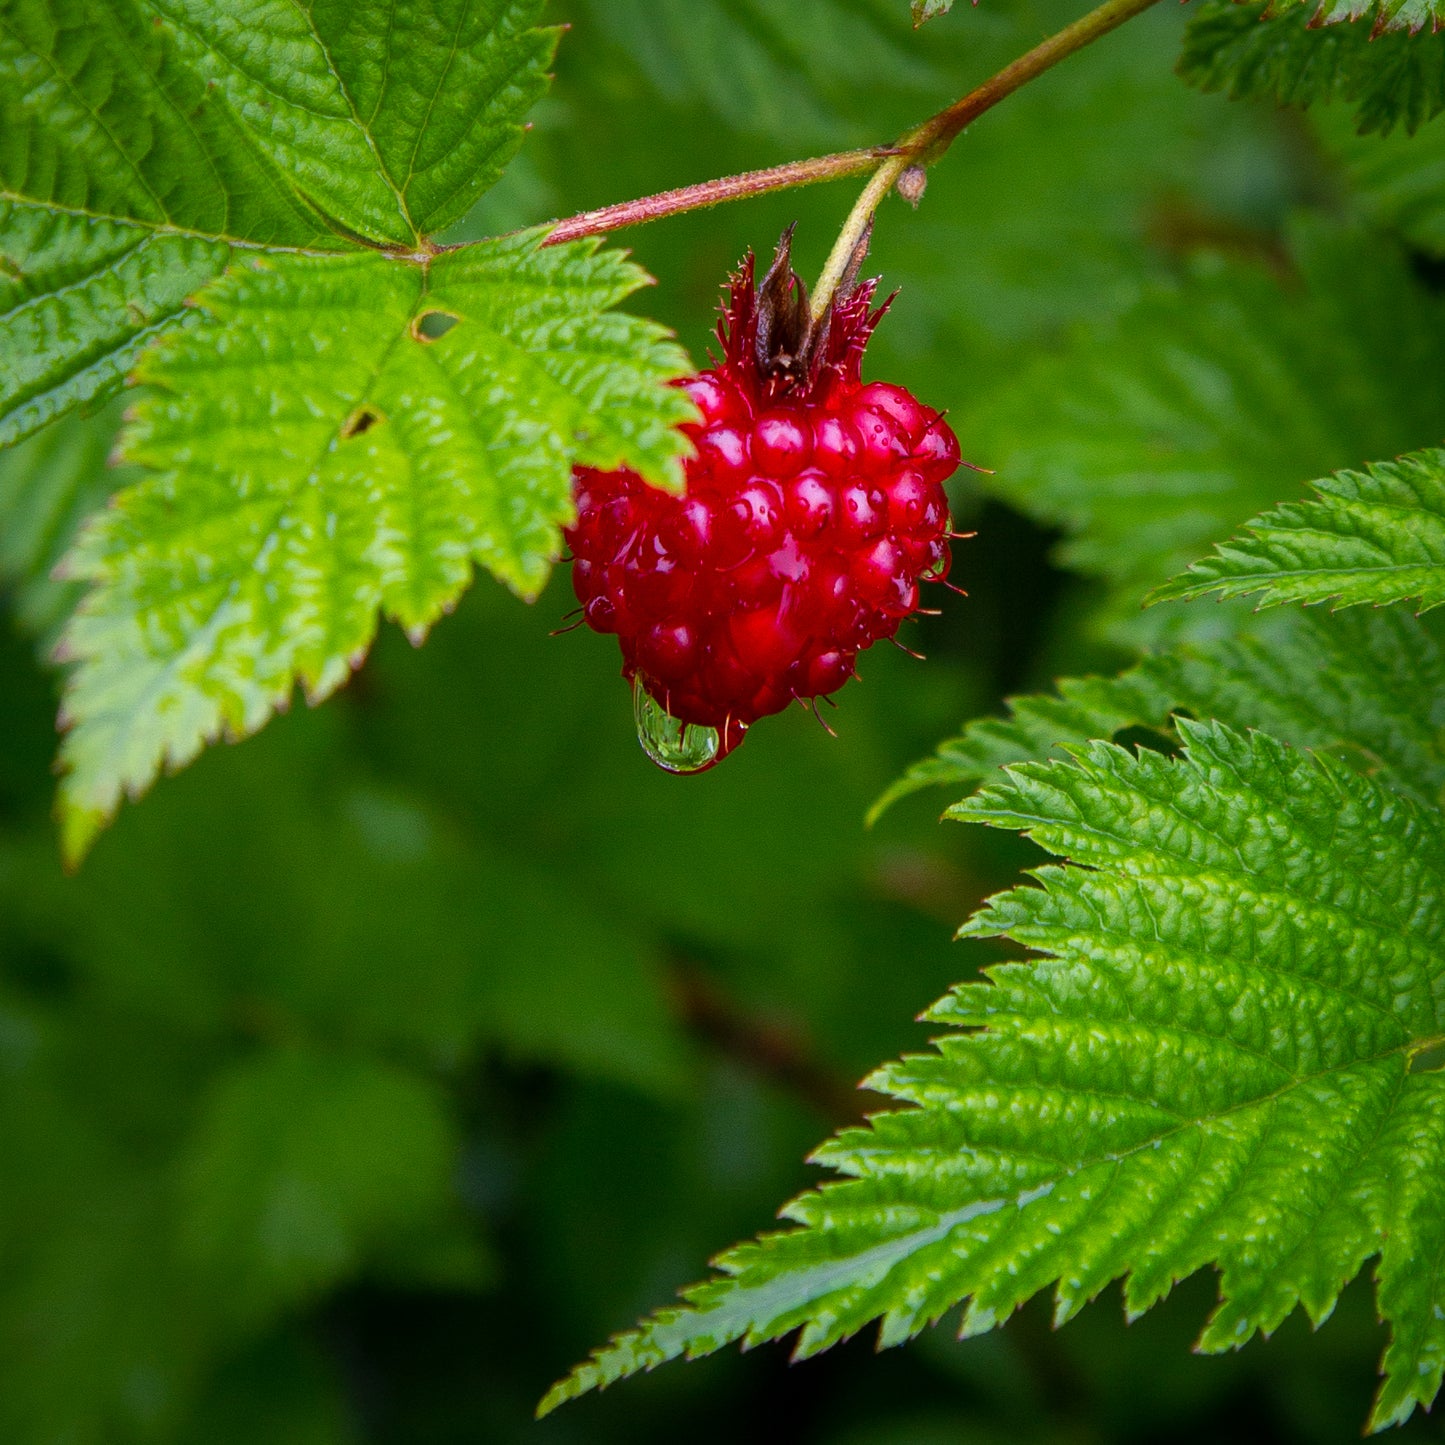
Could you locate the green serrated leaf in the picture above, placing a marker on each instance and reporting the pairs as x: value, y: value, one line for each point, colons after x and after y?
x: 1152, y: 439
x: 1369, y: 685
x: 1039, y: 726
x: 141, y: 141
x: 1384, y: 15
x: 1254, y: 50
x: 319, y: 456
x: 1374, y: 536
x: 1210, y: 1065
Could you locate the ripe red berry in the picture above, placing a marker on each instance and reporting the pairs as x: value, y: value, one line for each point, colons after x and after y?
x: 814, y: 505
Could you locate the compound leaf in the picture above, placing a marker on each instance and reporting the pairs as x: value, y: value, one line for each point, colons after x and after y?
x: 1211, y: 1064
x: 142, y: 141
x: 1373, y: 536
x: 1368, y: 685
x: 1155, y: 438
x: 318, y: 454
x: 1282, y: 54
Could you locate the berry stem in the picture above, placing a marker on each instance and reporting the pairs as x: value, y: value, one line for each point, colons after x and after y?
x: 927, y: 142
x: 918, y: 148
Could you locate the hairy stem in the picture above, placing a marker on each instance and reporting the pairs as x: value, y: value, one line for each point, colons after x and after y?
x: 920, y: 147
x: 714, y: 193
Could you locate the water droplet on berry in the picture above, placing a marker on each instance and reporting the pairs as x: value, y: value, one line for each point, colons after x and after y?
x: 808, y: 504
x: 677, y: 746
x: 897, y: 405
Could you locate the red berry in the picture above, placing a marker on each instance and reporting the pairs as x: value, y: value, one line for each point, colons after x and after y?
x: 814, y: 506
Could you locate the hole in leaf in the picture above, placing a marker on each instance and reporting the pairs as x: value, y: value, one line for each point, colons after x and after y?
x: 432, y: 325
x: 361, y: 420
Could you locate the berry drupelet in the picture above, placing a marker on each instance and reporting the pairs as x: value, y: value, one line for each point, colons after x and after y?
x: 813, y: 507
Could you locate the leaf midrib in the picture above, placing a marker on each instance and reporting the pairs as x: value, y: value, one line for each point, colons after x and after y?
x: 171, y: 229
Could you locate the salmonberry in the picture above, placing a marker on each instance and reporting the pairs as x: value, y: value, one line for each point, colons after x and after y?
x: 814, y: 506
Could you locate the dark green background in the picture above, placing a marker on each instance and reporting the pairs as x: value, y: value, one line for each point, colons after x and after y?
x: 372, y: 1071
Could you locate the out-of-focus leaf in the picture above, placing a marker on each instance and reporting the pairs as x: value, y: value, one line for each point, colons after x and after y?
x: 775, y: 67
x: 1148, y: 440
x: 1398, y: 181
x: 517, y: 956
x: 49, y: 485
x: 301, y: 1165
x: 1247, y: 50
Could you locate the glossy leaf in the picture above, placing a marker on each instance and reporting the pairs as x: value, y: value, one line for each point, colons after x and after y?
x: 317, y: 456
x: 1375, y: 536
x: 1210, y: 1064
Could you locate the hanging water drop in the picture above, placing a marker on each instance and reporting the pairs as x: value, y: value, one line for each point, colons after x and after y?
x: 677, y: 746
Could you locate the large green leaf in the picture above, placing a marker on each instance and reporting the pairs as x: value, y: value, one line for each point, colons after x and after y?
x: 1373, y: 536
x: 318, y: 456
x: 1249, y: 50
x: 1370, y: 685
x: 141, y: 141
x: 1215, y: 1063
x: 1149, y: 440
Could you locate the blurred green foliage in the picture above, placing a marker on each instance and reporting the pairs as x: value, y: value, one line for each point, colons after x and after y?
x: 371, y: 1071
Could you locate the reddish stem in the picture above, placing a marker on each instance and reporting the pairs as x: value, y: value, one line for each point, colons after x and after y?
x: 714, y: 193
x: 920, y: 147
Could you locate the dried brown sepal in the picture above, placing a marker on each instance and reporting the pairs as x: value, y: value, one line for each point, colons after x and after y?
x: 769, y: 333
